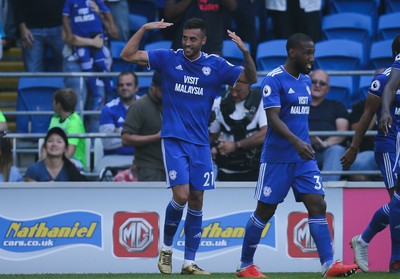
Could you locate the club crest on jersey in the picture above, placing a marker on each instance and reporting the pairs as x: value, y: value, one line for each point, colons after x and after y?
x: 172, y: 174
x: 206, y: 70
x: 267, y: 90
x: 375, y: 85
x: 308, y: 90
x: 397, y: 57
x: 267, y: 191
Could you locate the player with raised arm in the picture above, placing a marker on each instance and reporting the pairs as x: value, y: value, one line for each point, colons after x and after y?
x: 288, y: 160
x: 191, y: 79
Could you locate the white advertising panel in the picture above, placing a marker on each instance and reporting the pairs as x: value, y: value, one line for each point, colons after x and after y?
x: 101, y: 227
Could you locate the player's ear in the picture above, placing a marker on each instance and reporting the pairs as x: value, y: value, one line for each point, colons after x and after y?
x: 203, y: 40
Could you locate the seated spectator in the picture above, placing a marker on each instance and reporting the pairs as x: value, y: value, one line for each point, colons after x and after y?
x: 8, y: 172
x: 64, y: 102
x: 82, y: 19
x: 112, y: 119
x: 3, y: 122
x: 327, y: 115
x: 239, y: 128
x: 142, y: 129
x: 55, y: 166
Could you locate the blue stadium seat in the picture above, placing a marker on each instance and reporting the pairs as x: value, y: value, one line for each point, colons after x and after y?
x: 339, y: 55
x: 381, y: 54
x: 36, y: 94
x: 163, y: 44
x: 271, y: 54
x: 136, y: 21
x: 366, y: 7
x: 144, y: 84
x: 147, y: 8
x: 349, y: 26
x: 389, y: 26
x: 392, y: 6
x: 341, y: 88
x: 232, y: 53
x: 363, y: 88
x: 118, y: 64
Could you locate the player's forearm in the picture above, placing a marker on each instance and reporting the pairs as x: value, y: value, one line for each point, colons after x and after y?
x: 361, y: 129
x: 390, y: 90
x: 250, y: 71
x: 132, y: 47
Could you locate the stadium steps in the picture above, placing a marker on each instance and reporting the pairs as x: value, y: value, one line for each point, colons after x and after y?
x: 11, y: 62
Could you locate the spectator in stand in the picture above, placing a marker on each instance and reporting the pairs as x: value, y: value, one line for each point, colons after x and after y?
x: 8, y: 172
x: 292, y: 16
x: 81, y: 18
x: 64, y: 102
x: 142, y: 130
x: 3, y: 122
x: 327, y: 115
x: 120, y: 12
x: 112, y: 120
x: 211, y: 11
x: 55, y: 166
x: 40, y: 24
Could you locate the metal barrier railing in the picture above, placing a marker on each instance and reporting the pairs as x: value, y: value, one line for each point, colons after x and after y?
x: 82, y: 112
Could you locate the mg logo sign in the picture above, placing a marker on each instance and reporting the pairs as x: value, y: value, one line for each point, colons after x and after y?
x: 300, y: 242
x: 136, y: 234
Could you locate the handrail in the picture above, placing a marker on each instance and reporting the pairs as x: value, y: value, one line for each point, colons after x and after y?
x: 15, y: 136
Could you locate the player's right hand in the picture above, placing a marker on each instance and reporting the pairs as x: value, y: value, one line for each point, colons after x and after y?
x: 348, y: 157
x: 385, y: 123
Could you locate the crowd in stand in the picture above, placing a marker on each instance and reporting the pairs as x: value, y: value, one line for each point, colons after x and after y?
x: 77, y: 34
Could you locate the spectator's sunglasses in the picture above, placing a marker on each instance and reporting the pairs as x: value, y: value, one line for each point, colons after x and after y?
x: 319, y: 82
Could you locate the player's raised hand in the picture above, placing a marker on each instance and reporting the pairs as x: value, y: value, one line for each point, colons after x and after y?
x: 237, y: 40
x: 157, y: 25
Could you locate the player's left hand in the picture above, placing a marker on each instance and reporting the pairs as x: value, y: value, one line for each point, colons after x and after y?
x: 237, y: 40
x: 157, y: 25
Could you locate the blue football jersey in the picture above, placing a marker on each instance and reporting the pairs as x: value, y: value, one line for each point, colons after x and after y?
x: 293, y: 96
x: 189, y: 89
x: 385, y: 143
x: 83, y: 20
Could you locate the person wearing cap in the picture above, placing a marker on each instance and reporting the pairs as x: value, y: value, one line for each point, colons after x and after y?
x: 55, y: 166
x: 142, y: 130
x: 112, y: 118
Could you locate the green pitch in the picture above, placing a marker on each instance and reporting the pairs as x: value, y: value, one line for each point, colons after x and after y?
x: 292, y: 275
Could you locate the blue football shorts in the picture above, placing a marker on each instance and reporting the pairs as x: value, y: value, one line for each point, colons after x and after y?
x: 276, y: 179
x: 188, y: 163
x: 387, y: 166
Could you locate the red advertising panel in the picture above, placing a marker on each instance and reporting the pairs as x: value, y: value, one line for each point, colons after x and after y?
x: 136, y: 234
x: 359, y: 205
